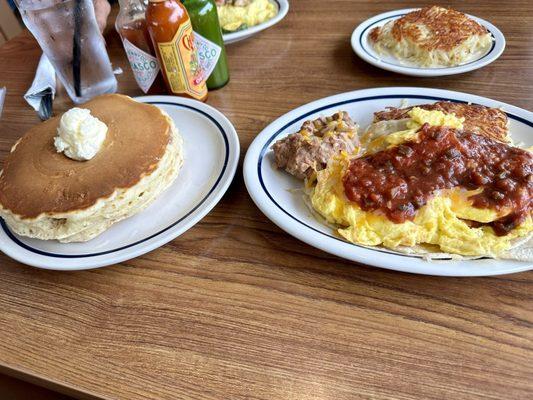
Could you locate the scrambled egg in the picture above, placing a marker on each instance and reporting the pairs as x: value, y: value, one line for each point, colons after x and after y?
x: 440, y: 222
x: 418, y: 116
x: 234, y: 18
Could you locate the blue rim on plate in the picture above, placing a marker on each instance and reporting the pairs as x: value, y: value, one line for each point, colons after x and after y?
x: 364, y: 47
x: 25, y: 246
x: 266, y: 146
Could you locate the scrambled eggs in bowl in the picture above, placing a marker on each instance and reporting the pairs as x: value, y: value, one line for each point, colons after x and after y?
x: 236, y: 15
x: 447, y: 223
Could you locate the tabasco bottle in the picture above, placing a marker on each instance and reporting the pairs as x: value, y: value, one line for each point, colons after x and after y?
x: 209, y: 41
x: 171, y: 31
x: 131, y: 26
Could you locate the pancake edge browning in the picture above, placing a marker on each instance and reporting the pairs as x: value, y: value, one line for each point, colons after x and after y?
x: 84, y: 225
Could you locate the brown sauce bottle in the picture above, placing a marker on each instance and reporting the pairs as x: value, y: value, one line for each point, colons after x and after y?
x: 131, y: 26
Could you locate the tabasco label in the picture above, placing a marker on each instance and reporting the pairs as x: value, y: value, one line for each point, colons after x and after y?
x: 179, y: 61
x: 208, y: 53
x: 145, y: 67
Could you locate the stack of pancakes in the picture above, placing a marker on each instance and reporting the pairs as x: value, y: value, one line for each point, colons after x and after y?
x: 45, y: 195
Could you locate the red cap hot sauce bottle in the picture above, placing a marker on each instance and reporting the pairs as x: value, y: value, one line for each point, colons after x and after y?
x: 171, y: 31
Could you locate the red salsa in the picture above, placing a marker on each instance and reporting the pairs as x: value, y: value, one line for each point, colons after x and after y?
x: 400, y: 180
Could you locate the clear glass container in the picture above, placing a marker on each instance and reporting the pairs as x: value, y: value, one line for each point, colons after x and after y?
x: 68, y: 34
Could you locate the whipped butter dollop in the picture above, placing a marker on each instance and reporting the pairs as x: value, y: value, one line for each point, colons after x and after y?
x: 80, y: 135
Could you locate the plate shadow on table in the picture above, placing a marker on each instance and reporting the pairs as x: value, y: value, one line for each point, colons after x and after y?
x: 377, y: 77
x: 15, y: 389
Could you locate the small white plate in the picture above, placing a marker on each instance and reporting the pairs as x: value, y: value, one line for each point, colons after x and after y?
x: 283, y: 9
x: 364, y: 49
x: 273, y: 191
x: 211, y: 152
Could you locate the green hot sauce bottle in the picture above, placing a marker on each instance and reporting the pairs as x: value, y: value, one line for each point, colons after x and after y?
x: 204, y: 19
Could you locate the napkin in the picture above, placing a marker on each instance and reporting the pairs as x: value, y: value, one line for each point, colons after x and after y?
x: 2, y: 98
x: 43, y: 89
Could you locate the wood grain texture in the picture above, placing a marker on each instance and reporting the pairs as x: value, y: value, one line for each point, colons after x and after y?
x: 9, y: 24
x: 237, y: 309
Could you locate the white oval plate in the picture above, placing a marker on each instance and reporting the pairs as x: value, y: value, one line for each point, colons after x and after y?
x: 273, y: 190
x: 211, y: 151
x: 364, y: 49
x: 283, y: 9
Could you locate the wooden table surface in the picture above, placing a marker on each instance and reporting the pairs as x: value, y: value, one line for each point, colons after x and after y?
x: 237, y: 309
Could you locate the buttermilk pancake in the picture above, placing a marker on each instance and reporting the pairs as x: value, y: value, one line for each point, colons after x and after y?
x: 486, y: 121
x: 432, y: 37
x: 46, y: 195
